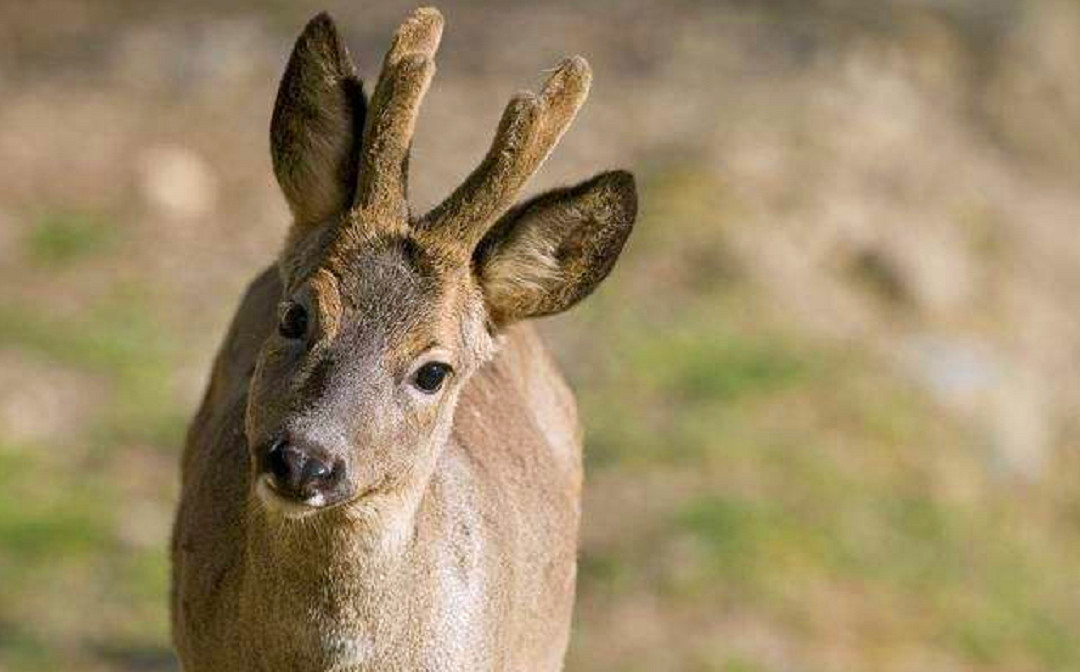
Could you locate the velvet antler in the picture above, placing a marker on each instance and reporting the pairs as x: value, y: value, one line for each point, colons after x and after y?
x: 530, y: 128
x: 391, y: 118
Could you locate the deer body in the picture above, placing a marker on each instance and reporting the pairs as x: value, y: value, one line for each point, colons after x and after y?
x: 388, y: 477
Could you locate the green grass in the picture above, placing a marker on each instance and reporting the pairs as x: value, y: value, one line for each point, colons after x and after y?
x: 62, y: 547
x: 684, y: 384
x: 811, y: 466
x: 52, y: 542
x: 63, y: 237
x: 118, y: 340
x: 37, y: 524
x: 799, y: 485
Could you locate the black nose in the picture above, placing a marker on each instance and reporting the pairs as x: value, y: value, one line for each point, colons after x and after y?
x: 301, y: 472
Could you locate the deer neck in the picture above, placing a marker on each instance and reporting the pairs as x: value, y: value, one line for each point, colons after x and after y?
x: 332, y: 574
x: 358, y: 540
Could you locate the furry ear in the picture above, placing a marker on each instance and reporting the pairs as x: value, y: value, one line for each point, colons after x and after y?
x: 550, y: 252
x: 318, y: 122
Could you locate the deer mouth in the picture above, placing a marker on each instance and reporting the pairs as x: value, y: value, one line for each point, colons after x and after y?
x: 275, y: 500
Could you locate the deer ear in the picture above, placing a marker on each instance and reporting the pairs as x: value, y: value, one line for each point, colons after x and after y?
x: 550, y: 252
x: 317, y: 125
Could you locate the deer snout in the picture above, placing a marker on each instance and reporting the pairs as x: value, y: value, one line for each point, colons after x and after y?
x: 303, y: 472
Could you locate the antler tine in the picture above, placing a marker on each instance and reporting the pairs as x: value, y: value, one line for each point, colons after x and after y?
x: 530, y: 128
x: 391, y: 118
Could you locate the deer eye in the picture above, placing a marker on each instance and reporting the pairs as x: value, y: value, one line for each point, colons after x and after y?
x: 294, y: 322
x: 429, y: 377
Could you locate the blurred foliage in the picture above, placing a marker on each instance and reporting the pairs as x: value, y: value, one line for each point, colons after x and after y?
x: 118, y: 340
x: 63, y: 552
x: 60, y: 238
x: 795, y: 483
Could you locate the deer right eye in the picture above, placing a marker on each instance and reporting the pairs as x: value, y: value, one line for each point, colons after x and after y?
x: 429, y: 378
x: 294, y: 322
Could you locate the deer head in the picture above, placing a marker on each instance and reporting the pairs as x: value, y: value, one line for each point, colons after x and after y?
x: 385, y: 315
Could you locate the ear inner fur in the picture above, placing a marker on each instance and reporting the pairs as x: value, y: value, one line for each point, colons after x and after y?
x: 552, y: 251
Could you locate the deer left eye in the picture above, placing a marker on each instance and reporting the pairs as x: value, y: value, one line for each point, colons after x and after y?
x: 294, y: 322
x: 430, y: 377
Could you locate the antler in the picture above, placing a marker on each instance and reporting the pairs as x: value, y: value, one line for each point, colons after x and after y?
x: 530, y: 128
x: 391, y: 118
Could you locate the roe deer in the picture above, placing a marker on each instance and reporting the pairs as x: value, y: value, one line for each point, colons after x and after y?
x: 385, y: 473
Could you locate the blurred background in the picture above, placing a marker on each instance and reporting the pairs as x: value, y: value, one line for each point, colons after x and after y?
x: 830, y: 390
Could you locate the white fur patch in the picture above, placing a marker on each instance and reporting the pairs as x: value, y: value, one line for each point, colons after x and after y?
x: 347, y: 652
x: 288, y: 508
x: 527, y: 263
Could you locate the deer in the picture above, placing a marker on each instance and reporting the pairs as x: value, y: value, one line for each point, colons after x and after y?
x: 385, y: 472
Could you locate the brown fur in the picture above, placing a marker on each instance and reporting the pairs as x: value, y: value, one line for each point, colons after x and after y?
x: 318, y: 117
x: 454, y: 546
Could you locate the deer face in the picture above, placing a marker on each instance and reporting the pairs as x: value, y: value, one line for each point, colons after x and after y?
x: 355, y: 390
x: 384, y: 315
